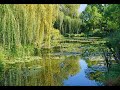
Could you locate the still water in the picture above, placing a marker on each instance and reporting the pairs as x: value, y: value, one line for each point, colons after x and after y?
x: 64, y: 67
x: 80, y: 78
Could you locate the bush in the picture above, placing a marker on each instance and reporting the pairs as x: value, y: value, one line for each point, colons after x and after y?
x: 82, y: 35
x: 96, y: 33
x: 55, y: 34
x: 115, y: 40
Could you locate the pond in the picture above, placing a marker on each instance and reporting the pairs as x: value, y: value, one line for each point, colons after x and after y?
x: 75, y: 64
x: 80, y: 78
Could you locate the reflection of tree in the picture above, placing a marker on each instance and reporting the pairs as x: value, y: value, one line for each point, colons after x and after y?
x: 97, y: 76
x: 89, y: 51
x: 93, y: 57
x: 94, y: 71
x: 90, y: 63
x: 71, y: 65
x: 45, y: 72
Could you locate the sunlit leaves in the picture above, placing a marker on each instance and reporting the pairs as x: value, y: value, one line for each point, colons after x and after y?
x: 27, y: 24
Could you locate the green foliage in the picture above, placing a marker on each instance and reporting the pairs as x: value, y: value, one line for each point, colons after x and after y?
x: 96, y: 76
x: 55, y: 37
x: 90, y: 18
x: 114, y: 41
x: 2, y: 57
x: 96, y: 33
x: 112, y: 77
x: 26, y: 25
x: 70, y: 10
x: 91, y: 63
x: 1, y: 66
x: 68, y: 20
x: 112, y: 18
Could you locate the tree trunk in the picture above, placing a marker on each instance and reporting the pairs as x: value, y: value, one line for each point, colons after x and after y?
x: 114, y: 54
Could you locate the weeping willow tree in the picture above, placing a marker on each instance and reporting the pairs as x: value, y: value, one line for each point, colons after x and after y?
x: 68, y: 25
x: 75, y: 26
x: 26, y: 24
x: 68, y: 21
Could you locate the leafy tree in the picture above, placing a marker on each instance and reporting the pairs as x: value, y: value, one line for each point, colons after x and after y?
x: 70, y: 10
x: 27, y: 24
x: 68, y: 21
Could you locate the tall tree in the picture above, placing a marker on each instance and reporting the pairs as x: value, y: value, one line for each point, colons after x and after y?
x: 27, y: 24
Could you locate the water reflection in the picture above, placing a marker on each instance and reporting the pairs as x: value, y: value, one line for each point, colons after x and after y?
x: 96, y: 63
x: 51, y: 70
x: 80, y: 78
x: 54, y: 68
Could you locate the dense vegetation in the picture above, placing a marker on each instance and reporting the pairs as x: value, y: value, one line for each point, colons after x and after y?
x: 68, y: 21
x: 104, y: 21
x: 26, y: 29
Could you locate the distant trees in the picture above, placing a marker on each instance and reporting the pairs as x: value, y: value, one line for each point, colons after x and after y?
x: 91, y: 18
x: 103, y: 20
x: 68, y: 21
x: 103, y: 17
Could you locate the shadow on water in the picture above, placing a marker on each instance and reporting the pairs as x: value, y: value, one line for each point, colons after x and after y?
x: 62, y: 68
